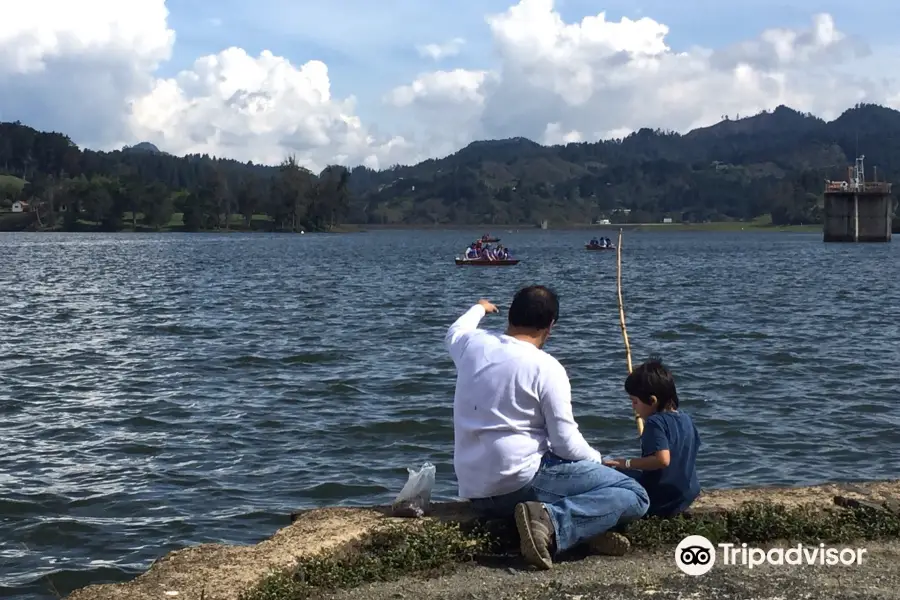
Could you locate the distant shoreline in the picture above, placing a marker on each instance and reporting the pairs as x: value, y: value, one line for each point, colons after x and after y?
x: 499, y: 229
x: 18, y: 222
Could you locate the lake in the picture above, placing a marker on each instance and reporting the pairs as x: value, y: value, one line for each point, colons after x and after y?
x: 158, y: 391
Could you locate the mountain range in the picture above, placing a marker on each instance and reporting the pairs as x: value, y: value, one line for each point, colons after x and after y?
x: 773, y: 163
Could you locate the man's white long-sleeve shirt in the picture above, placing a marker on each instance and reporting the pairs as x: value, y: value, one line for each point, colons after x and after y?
x: 513, y: 403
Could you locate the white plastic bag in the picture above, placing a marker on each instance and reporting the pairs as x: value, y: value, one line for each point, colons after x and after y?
x: 415, y: 497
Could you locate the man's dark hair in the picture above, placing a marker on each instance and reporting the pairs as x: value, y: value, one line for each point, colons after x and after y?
x: 652, y: 379
x: 534, y: 307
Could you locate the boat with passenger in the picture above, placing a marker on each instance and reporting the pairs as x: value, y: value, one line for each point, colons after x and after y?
x: 484, y: 262
x: 479, y: 254
x: 602, y: 243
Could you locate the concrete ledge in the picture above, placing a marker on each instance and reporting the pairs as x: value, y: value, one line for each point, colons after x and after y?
x: 222, y: 572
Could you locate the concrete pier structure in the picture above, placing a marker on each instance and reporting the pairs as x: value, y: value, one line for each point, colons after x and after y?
x: 224, y: 572
x: 856, y: 210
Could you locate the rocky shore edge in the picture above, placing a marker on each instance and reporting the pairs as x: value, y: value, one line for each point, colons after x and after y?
x: 225, y: 572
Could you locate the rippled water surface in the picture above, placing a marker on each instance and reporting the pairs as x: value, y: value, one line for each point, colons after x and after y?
x: 158, y: 391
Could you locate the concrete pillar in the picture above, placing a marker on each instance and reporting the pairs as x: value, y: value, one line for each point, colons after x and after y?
x: 857, y: 217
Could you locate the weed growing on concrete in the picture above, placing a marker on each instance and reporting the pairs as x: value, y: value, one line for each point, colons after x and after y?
x: 759, y: 522
x: 386, y: 554
x: 430, y: 547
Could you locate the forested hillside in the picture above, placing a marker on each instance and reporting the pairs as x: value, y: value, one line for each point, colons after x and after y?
x: 772, y: 163
x: 68, y: 188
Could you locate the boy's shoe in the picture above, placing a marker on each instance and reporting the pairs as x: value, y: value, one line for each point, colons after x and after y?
x: 609, y: 543
x: 535, y: 534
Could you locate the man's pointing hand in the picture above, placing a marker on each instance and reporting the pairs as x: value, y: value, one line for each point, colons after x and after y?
x: 488, y: 307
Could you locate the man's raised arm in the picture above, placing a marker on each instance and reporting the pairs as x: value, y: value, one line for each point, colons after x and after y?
x: 566, y: 440
x: 455, y: 340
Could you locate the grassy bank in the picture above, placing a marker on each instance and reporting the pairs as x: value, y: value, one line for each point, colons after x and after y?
x: 263, y: 223
x: 10, y: 221
x: 763, y: 224
x: 259, y: 223
x: 12, y: 182
x: 431, y: 547
x: 735, y: 226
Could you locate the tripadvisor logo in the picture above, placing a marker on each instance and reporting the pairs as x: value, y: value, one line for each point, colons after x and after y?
x: 696, y: 555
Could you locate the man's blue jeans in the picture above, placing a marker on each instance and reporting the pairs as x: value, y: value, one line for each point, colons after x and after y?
x: 584, y: 499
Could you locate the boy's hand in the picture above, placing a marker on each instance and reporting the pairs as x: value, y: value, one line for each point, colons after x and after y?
x: 488, y: 307
x: 616, y: 463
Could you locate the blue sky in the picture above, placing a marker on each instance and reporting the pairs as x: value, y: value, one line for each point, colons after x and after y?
x: 93, y: 72
x: 370, y: 47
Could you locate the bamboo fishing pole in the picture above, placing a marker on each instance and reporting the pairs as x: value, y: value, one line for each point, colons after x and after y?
x: 637, y: 420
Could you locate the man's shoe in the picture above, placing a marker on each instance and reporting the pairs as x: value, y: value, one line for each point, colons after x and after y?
x: 535, y: 534
x: 609, y: 543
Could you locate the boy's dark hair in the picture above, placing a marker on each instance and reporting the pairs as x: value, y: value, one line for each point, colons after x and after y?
x: 653, y: 380
x: 534, y: 307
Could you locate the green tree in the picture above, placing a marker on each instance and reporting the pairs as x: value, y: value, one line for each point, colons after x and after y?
x: 158, y: 205
x: 250, y: 198
x: 293, y: 195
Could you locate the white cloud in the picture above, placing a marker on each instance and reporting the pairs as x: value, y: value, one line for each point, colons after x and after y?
x: 39, y: 32
x: 556, y: 79
x: 257, y: 108
x: 75, y: 66
x: 93, y: 72
x: 441, y: 51
x: 614, y: 134
x: 442, y: 88
x: 88, y: 69
x: 448, y: 107
x: 554, y: 135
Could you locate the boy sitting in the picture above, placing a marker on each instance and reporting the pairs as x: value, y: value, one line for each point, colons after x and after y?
x: 667, y: 467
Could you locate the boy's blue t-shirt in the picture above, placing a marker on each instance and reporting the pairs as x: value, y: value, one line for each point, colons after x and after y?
x: 673, y: 489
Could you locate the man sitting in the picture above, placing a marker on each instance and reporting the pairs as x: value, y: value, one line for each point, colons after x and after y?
x: 517, y: 448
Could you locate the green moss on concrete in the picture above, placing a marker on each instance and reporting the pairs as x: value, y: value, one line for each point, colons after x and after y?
x: 386, y: 554
x: 432, y: 547
x: 759, y: 522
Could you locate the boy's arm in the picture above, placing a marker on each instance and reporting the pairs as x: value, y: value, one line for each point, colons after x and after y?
x: 566, y: 440
x: 455, y: 340
x: 654, y: 447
